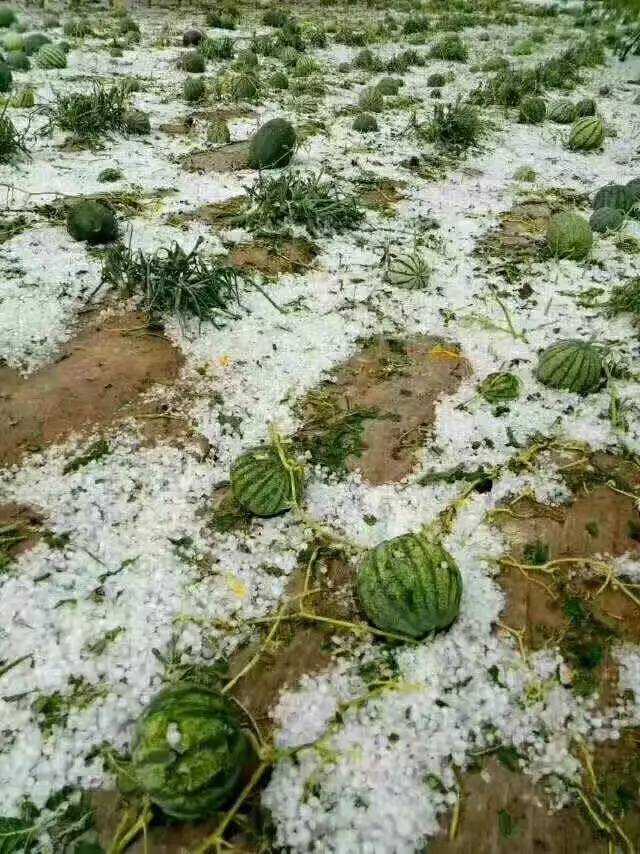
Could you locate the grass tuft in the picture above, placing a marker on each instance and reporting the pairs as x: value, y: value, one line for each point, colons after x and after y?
x: 625, y: 299
x: 89, y: 116
x: 454, y: 128
x: 295, y: 199
x: 12, y: 143
x: 173, y: 281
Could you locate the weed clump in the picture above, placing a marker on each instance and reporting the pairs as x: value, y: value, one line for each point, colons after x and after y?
x: 295, y: 199
x: 12, y: 143
x: 90, y: 116
x: 454, y: 127
x: 451, y: 48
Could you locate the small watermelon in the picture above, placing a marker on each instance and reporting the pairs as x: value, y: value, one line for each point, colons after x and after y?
x: 137, y: 122
x: 6, y: 77
x: 13, y: 41
x: 634, y: 188
x: 279, y: 80
x: 409, y: 585
x: 246, y: 59
x: 192, y: 61
x: 365, y: 123
x: 272, y: 145
x: 261, y: 484
x: 33, y: 42
x: 409, y: 271
x: 190, y: 751
x: 500, y: 387
x: 614, y: 196
x: 50, y: 56
x: 218, y: 133
x: 194, y: 89
x: 305, y: 66
x: 192, y: 37
x: 606, y: 219
x: 7, y: 16
x: 562, y: 112
x: 569, y: 236
x: 18, y: 60
x: 587, y: 134
x: 572, y: 365
x: 24, y: 98
x: 92, y: 221
x: 389, y: 85
x: 586, y: 107
x: 533, y: 110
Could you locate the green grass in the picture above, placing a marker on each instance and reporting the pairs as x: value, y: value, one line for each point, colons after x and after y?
x: 52, y: 710
x: 89, y: 116
x: 450, y: 48
x: 10, y: 535
x: 170, y: 280
x: 12, y: 143
x: 96, y: 451
x: 454, y: 128
x: 625, y: 299
x: 295, y: 199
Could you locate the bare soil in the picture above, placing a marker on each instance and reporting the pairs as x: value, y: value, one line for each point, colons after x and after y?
x: 269, y: 257
x: 95, y: 382
x: 227, y: 158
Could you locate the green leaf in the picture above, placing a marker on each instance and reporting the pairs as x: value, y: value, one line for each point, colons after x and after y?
x: 508, y: 756
x: 506, y: 823
x: 16, y: 835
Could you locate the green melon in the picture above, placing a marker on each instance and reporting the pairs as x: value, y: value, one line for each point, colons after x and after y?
x: 587, y: 134
x: 93, y: 222
x: 13, y: 41
x: 606, y: 219
x: 218, y: 133
x: 261, y: 484
x: 7, y: 16
x: 110, y: 174
x: 33, y: 42
x: 371, y: 100
x: 436, y: 81
x: 365, y: 123
x: 409, y: 585
x: 305, y: 66
x: 190, y: 752
x: 247, y: 59
x: 389, y: 85
x: 614, y: 196
x: 500, y: 387
x: 192, y: 61
x: 586, y: 107
x: 572, y: 365
x: 24, y: 98
x: 137, y: 122
x: 279, y: 80
x: 194, y: 89
x: 6, y: 77
x: 634, y: 188
x: 569, y: 236
x: 409, y: 271
x: 532, y: 110
x: 50, y: 56
x: 244, y: 86
x: 18, y: 60
x: 562, y: 112
x: 272, y: 145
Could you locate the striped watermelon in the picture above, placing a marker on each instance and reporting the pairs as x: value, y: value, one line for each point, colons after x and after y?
x: 261, y: 484
x: 409, y: 271
x: 500, y: 387
x: 606, y: 219
x: 24, y: 98
x: 562, y: 112
x: 634, y: 186
x: 587, y: 133
x: 614, y: 196
x: 51, y: 56
x: 409, y: 585
x: 190, y: 752
x: 371, y: 100
x: 573, y: 365
x: 569, y: 236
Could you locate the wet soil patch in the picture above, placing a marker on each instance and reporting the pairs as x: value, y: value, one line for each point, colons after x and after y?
x: 99, y: 374
x: 381, y: 194
x: 227, y: 158
x: 379, y: 407
x: 271, y: 257
x: 217, y: 215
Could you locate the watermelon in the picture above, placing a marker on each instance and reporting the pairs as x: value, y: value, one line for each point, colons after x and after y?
x: 365, y: 123
x: 279, y: 80
x: 193, y: 89
x: 244, y: 86
x: 18, y: 60
x: 305, y: 66
x: 371, y: 100
x: 569, y: 236
x: 192, y: 37
x: 436, y: 81
x: 533, y: 109
x: 409, y: 271
x: 110, y: 174
x: 409, y: 585
x: 247, y: 59
x: 500, y: 387
x: 33, y: 43
x: 272, y: 145
x: 6, y: 77
x: 92, y: 221
x: 261, y: 484
x: 586, y: 107
x: 614, y: 196
x: 7, y: 16
x: 389, y: 85
x: 192, y: 61
x: 587, y: 134
x: 50, y: 56
x: 24, y: 98
x: 218, y: 133
x: 573, y: 365
x: 13, y: 41
x: 562, y: 112
x: 137, y: 122
x: 190, y: 751
x: 634, y: 188
x: 606, y: 219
